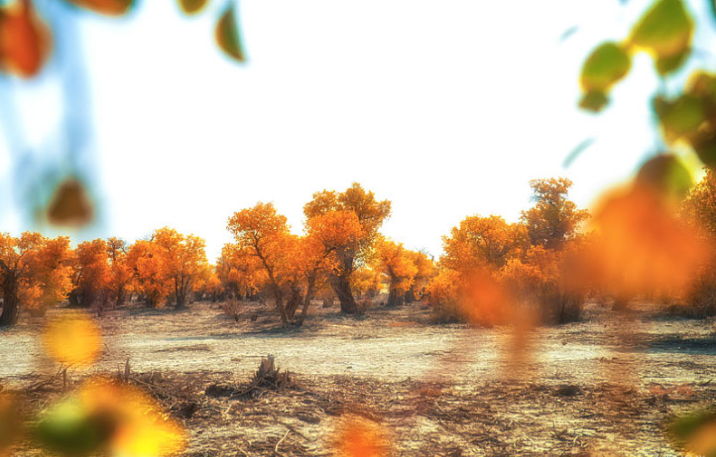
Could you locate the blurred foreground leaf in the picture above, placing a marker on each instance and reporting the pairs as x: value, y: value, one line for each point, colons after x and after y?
x: 70, y: 429
x: 359, y: 437
x: 227, y: 35
x: 695, y: 432
x: 106, y: 7
x: 604, y: 67
x: 70, y: 206
x: 10, y: 423
x: 666, y: 175
x: 192, y: 6
x: 25, y: 40
x: 73, y: 340
x: 665, y: 31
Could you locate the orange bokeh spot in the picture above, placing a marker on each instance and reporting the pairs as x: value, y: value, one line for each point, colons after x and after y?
x: 359, y: 437
x: 486, y: 301
x: 72, y: 340
x: 642, y: 247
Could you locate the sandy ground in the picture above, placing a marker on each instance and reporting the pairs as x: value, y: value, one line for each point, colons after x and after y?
x: 603, y: 386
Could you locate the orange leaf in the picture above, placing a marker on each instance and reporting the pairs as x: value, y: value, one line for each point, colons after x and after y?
x: 106, y: 7
x: 359, y: 437
x: 25, y: 40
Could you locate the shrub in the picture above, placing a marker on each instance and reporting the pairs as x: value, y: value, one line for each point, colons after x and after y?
x: 232, y: 308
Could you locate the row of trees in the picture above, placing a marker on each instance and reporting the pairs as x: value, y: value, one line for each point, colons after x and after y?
x: 38, y: 272
x: 340, y: 253
x: 655, y: 237
x: 637, y: 243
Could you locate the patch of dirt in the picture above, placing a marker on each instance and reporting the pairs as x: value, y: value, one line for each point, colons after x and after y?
x: 601, y: 387
x: 484, y: 418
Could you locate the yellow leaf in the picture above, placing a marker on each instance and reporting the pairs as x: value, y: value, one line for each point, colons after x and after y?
x: 72, y: 340
x: 192, y: 6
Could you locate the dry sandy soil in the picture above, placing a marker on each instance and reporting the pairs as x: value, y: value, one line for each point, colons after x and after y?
x: 601, y: 387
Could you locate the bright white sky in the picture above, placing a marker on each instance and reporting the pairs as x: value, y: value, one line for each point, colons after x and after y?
x: 445, y: 107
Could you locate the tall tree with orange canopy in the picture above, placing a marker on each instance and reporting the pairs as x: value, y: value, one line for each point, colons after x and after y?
x: 371, y: 214
x: 265, y: 235
x: 120, y: 274
x: 92, y: 274
x: 397, y: 264
x: 184, y: 260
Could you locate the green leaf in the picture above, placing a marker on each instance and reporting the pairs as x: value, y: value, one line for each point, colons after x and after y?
x: 69, y: 430
x: 704, y: 145
x: 604, y: 67
x: 668, y: 65
x: 666, y: 174
x: 680, y: 117
x: 665, y: 30
x: 594, y: 101
x: 192, y: 6
x: 227, y: 35
x: 687, y: 432
x: 703, y: 85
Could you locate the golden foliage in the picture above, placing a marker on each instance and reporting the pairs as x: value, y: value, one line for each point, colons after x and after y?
x: 35, y: 271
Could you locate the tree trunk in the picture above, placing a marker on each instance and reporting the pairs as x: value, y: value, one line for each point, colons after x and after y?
x: 278, y: 298
x: 342, y: 288
x: 179, y: 294
x: 293, y: 303
x: 10, y: 308
x: 307, y: 299
x: 395, y: 297
x: 410, y: 295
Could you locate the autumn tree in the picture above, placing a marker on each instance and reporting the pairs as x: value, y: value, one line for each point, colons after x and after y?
x: 699, y: 207
x: 554, y: 218
x: 92, y: 275
x: 209, y: 285
x: 475, y: 252
x: 425, y: 271
x: 240, y: 273
x: 264, y: 234
x: 34, y: 273
x: 319, y: 249
x: 397, y: 264
x: 370, y: 213
x: 480, y: 242
x: 120, y: 273
x: 184, y: 260
x: 150, y: 278
x: 366, y: 281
